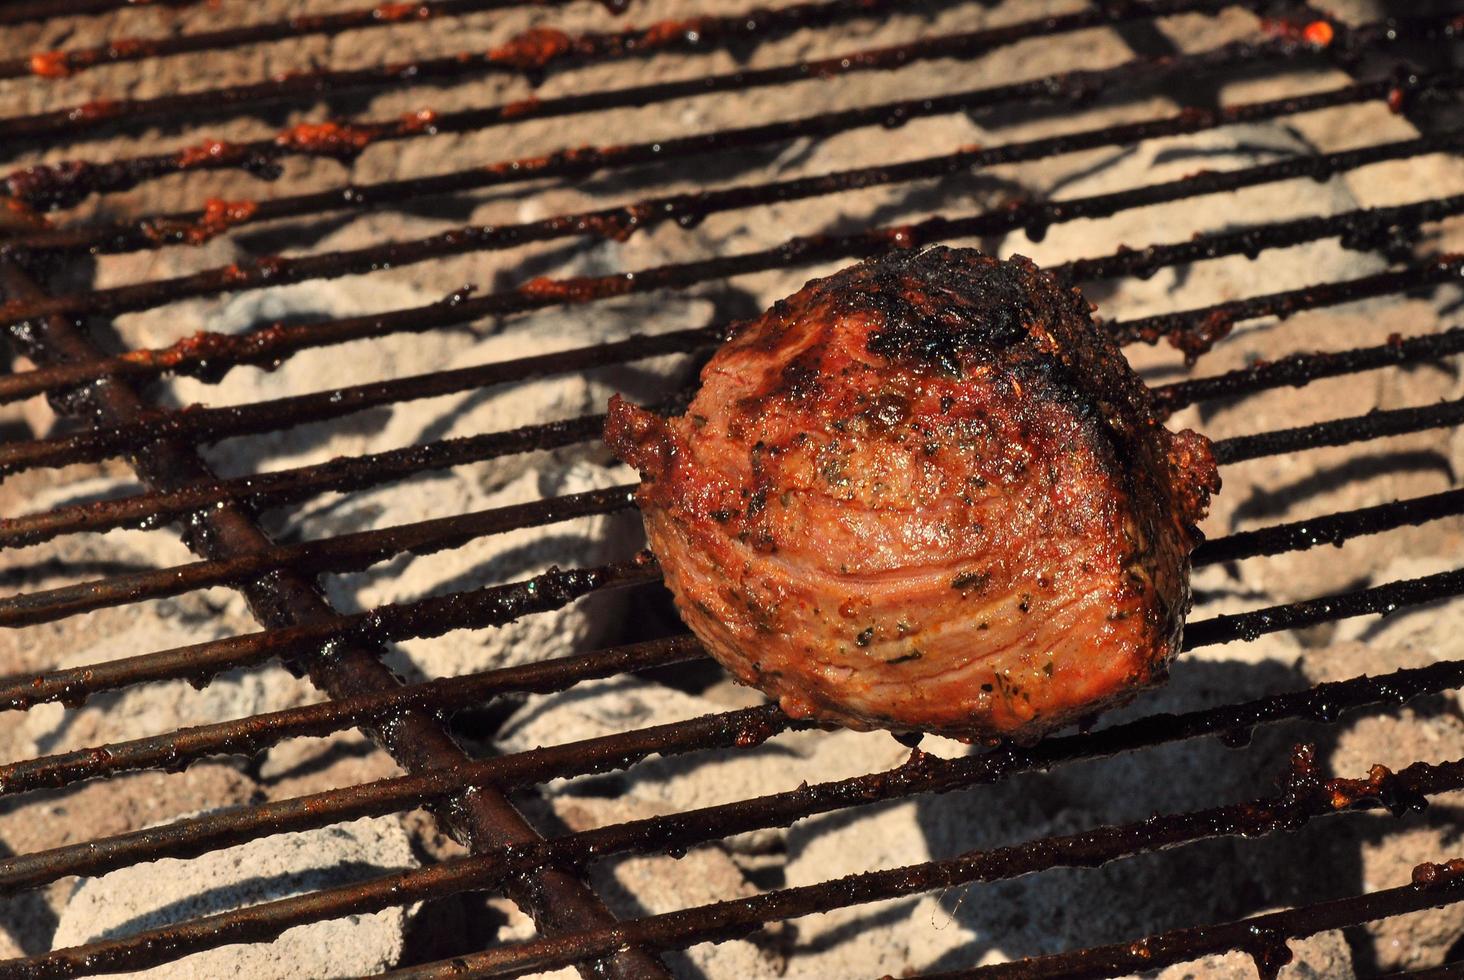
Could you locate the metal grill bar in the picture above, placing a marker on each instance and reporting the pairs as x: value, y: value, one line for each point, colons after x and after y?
x: 1333, y: 529
x: 1322, y: 703
x: 235, y: 550
x: 1382, y: 599
x: 359, y: 550
x: 688, y: 209
x: 1302, y: 369
x: 196, y: 227
x: 187, y: 838
x: 1374, y: 425
x: 1305, y: 798
x: 420, y: 619
x: 258, y: 732
x: 1262, y: 936
x: 530, y: 54
x: 1193, y: 331
x: 212, y: 354
x: 478, y: 819
x: 63, y: 64
x: 24, y: 11
x: 291, y: 485
x: 477, y: 608
x: 346, y: 552
x: 1196, y: 331
x: 67, y: 183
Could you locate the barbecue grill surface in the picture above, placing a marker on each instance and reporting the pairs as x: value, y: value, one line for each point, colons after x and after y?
x: 314, y: 564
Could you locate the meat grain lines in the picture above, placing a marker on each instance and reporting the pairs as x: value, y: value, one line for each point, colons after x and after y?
x: 498, y: 604
x: 1305, y: 797
x: 1194, y: 331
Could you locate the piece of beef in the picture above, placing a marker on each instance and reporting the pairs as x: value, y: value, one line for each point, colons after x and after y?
x: 926, y: 493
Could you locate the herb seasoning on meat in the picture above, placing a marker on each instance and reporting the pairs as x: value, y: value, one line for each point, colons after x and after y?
x: 926, y: 493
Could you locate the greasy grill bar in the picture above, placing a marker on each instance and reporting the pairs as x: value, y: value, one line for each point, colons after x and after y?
x: 341, y: 651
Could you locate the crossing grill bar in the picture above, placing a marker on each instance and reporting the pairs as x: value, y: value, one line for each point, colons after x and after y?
x: 110, y: 212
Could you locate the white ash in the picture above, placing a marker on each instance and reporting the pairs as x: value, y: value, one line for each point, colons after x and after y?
x: 1296, y: 486
x: 1424, y: 731
x: 169, y: 891
x: 1158, y: 161
x: 54, y: 818
x: 958, y: 928
x: 598, y: 708
x: 136, y: 712
x: 1432, y: 630
x: 656, y: 883
x: 301, y: 766
x: 1324, y: 956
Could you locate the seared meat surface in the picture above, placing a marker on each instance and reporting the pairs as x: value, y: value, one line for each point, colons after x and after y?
x: 926, y: 493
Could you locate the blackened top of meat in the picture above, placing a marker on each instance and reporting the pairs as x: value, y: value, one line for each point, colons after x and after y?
x: 936, y: 310
x: 916, y: 450
x: 949, y: 311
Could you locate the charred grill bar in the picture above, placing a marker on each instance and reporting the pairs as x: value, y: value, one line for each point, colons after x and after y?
x: 341, y: 651
x: 480, y: 817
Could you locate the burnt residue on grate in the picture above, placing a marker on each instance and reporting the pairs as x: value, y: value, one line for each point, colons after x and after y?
x: 628, y: 751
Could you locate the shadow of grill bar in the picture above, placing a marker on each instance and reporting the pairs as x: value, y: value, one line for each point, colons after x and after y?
x: 521, y: 57
x: 416, y: 740
x: 1193, y: 331
x: 212, y: 355
x: 1251, y: 935
x: 726, y: 920
x: 506, y: 851
x: 83, y: 178
x: 502, y: 604
x: 289, y: 486
x: 58, y: 64
x: 752, y: 726
x: 1069, y: 88
x: 689, y: 209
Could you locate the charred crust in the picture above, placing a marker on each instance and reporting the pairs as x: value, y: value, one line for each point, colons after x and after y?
x: 912, y: 368
x: 970, y: 581
x: 640, y: 438
x: 941, y: 308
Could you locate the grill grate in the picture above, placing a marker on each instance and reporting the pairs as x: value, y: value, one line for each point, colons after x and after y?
x: 341, y: 652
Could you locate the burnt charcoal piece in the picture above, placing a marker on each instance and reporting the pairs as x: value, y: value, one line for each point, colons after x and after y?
x: 926, y: 493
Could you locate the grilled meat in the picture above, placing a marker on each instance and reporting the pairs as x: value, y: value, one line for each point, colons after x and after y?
x: 926, y: 493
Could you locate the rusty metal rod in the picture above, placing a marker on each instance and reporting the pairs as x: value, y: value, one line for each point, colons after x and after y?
x: 499, y: 604
x: 689, y: 209
x: 341, y: 553
x: 1194, y: 331
x: 211, y: 355
x: 194, y: 227
x: 253, y: 734
x: 530, y: 54
x: 751, y: 726
x: 72, y: 61
x: 1260, y: 935
x: 68, y: 182
x: 1304, y: 798
x: 479, y: 819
